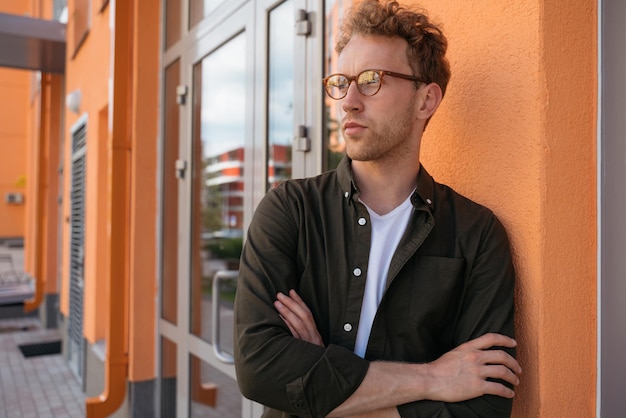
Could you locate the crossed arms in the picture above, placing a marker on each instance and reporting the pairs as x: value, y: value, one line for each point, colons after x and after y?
x: 460, y: 374
x: 302, y: 364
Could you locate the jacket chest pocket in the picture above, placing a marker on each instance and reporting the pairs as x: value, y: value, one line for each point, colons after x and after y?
x: 434, y: 287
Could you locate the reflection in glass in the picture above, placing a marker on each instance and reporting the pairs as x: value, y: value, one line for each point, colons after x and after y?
x: 212, y: 394
x: 335, y: 145
x: 199, y: 9
x: 219, y: 91
x: 169, y: 257
x: 168, y: 378
x: 280, y: 93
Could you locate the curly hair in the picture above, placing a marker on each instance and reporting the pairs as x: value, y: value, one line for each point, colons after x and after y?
x: 427, y: 47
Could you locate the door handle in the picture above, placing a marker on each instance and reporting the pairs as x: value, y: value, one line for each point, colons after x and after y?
x: 221, y: 355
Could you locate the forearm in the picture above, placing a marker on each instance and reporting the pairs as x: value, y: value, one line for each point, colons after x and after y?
x: 385, y: 386
x: 470, y: 371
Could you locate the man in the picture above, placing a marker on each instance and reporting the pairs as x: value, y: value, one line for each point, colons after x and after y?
x: 372, y: 290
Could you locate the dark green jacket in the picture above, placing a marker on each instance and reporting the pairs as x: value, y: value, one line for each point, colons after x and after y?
x: 451, y: 280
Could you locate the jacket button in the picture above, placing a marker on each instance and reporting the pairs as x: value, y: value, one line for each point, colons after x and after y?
x: 362, y: 221
x: 357, y: 272
x: 347, y: 327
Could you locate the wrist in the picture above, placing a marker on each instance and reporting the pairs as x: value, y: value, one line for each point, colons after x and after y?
x: 422, y: 381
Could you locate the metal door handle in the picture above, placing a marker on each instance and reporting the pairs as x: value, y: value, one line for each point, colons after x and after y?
x: 221, y: 355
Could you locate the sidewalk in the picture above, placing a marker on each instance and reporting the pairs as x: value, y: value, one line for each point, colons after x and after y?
x: 35, y: 387
x: 41, y: 386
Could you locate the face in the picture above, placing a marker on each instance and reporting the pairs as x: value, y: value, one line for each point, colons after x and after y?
x: 384, y: 126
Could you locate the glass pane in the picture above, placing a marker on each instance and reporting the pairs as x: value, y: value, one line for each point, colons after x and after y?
x: 168, y: 378
x: 219, y: 91
x: 280, y: 93
x: 199, y: 9
x: 169, y: 257
x: 212, y: 394
x: 172, y: 22
x: 335, y: 145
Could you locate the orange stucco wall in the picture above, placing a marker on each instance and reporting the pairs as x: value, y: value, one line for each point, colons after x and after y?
x: 517, y: 132
x: 30, y: 126
x: 143, y: 236
x: 87, y: 71
x: 14, y: 94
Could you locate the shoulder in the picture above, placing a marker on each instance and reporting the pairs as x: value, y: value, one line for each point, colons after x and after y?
x: 296, y: 197
x: 307, y: 188
x: 467, y: 214
x: 446, y: 197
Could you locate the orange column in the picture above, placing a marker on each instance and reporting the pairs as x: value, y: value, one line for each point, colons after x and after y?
x: 569, y: 287
x: 43, y: 244
x: 116, y: 361
x: 40, y: 165
x: 517, y: 133
x: 143, y: 238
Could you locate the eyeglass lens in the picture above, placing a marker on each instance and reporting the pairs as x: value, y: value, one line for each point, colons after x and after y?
x: 367, y: 82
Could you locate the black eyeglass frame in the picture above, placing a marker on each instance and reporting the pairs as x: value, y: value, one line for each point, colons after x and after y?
x: 381, y: 74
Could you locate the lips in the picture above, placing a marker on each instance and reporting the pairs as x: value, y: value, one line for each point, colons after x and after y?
x: 352, y: 128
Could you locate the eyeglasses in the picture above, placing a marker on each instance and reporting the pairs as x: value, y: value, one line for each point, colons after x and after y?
x: 368, y: 82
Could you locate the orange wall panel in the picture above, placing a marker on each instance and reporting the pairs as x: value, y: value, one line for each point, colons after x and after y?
x: 88, y: 72
x: 516, y: 132
x: 14, y: 7
x: 570, y: 216
x: 14, y: 135
x: 143, y: 263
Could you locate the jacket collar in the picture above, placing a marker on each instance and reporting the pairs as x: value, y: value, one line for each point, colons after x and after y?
x: 424, y: 193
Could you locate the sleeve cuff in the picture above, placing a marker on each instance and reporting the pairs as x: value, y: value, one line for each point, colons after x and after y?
x: 331, y: 381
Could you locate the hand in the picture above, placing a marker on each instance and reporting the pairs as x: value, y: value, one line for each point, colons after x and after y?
x: 462, y: 373
x: 298, y: 317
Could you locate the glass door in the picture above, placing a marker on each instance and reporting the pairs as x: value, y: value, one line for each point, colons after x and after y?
x: 241, y: 106
x: 206, y: 184
x: 218, y: 188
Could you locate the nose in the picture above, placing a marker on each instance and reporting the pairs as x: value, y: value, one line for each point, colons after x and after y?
x: 352, y: 102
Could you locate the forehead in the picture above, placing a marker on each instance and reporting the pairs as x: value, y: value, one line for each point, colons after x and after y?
x: 374, y: 52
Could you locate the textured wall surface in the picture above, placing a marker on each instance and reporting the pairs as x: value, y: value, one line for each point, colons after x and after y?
x: 15, y: 86
x: 517, y: 133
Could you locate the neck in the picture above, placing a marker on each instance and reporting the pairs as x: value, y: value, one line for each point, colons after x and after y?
x: 383, y: 187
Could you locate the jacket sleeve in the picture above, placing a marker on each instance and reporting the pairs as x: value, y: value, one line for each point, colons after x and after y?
x: 488, y: 306
x: 273, y: 368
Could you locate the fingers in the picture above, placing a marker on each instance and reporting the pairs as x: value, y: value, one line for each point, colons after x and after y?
x: 295, y: 304
x: 497, y: 364
x: 291, y: 328
x: 488, y: 357
x: 298, y: 317
x: 502, y: 373
x: 498, y: 389
x: 475, y: 368
x: 491, y: 340
x: 500, y: 357
x: 488, y: 341
x: 294, y: 310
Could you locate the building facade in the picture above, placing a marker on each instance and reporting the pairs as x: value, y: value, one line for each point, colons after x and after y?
x: 140, y: 162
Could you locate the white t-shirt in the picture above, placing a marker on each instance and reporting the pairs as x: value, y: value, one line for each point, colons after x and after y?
x: 387, y: 230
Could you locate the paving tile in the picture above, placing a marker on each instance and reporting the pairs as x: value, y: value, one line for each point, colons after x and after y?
x: 37, y: 387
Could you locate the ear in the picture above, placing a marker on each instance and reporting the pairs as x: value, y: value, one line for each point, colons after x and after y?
x: 429, y: 101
